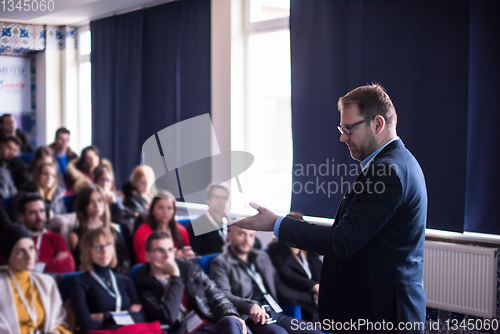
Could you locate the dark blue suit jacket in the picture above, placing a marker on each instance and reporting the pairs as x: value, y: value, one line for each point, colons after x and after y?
x: 374, y: 251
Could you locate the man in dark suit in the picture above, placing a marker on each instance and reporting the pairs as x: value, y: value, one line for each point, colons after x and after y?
x: 372, y: 271
x: 216, y: 220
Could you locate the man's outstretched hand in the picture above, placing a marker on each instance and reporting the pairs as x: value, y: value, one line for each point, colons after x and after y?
x: 263, y: 221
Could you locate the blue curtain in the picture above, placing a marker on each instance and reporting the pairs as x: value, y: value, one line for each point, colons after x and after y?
x: 482, y: 211
x: 150, y: 70
x: 417, y: 50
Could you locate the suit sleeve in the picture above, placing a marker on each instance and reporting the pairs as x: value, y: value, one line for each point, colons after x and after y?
x: 366, y: 214
x: 219, y: 273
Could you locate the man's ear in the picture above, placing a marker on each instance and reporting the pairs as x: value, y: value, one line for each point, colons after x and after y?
x: 380, y: 124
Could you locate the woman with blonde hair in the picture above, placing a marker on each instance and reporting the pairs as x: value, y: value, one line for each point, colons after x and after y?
x: 92, y: 212
x: 30, y: 301
x: 99, y: 292
x: 45, y: 181
x: 137, y: 192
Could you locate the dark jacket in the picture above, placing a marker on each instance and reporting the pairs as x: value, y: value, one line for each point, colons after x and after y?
x: 7, y: 187
x: 374, y: 252
x: 290, y: 270
x: 231, y: 277
x: 163, y: 304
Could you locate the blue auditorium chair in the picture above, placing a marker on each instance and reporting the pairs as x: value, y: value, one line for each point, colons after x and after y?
x: 69, y: 203
x: 205, y: 261
x: 64, y: 285
x: 133, y: 271
x: 26, y: 157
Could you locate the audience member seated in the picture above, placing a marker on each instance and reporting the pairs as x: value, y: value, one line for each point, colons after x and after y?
x: 104, y: 178
x: 30, y: 301
x: 52, y: 255
x: 173, y: 290
x: 217, y: 196
x: 63, y: 155
x: 92, y: 212
x: 13, y: 170
x: 44, y: 154
x: 249, y: 280
x: 162, y: 218
x: 81, y: 171
x: 4, y: 217
x: 9, y: 129
x: 299, y: 270
x: 136, y: 192
x: 99, y: 291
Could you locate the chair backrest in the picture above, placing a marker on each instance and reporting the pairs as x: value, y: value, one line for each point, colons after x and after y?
x: 64, y: 285
x: 205, y: 261
x: 27, y: 157
x: 133, y: 271
x: 69, y: 203
x: 184, y: 221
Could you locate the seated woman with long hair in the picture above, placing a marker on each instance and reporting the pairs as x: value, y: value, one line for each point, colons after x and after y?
x: 44, y: 154
x: 162, y: 218
x: 81, y: 170
x: 92, y: 212
x: 99, y: 291
x: 45, y: 180
x: 30, y: 301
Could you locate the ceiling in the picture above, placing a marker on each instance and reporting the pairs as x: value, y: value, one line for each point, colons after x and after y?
x: 75, y: 12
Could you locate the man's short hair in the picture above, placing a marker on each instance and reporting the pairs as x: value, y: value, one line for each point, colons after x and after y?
x: 62, y: 130
x: 13, y: 139
x: 4, y: 116
x: 214, y: 185
x: 28, y: 198
x: 156, y: 235
x: 372, y: 100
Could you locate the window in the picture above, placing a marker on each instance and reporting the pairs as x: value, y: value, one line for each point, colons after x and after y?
x: 267, y: 115
x: 84, y: 88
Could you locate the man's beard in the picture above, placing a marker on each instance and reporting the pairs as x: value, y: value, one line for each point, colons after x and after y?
x: 34, y: 227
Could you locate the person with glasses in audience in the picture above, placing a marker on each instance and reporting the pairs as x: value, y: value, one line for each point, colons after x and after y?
x: 162, y: 218
x: 30, y: 301
x: 178, y: 293
x: 374, y: 251
x: 99, y: 297
x: 92, y: 212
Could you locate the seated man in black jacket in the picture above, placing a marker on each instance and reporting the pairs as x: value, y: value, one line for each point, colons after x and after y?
x: 249, y: 280
x: 178, y: 293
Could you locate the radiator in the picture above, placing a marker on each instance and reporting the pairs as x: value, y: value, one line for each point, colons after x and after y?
x: 461, y: 278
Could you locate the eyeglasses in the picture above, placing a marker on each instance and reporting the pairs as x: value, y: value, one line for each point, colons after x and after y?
x: 225, y: 198
x: 100, y: 248
x: 346, y: 129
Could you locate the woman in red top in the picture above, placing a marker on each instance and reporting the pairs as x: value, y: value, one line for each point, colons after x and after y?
x: 161, y: 217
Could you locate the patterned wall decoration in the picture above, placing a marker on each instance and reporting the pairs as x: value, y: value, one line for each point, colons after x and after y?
x: 19, y: 39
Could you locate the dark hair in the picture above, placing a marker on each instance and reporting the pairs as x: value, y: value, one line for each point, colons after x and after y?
x: 81, y: 164
x: 101, y: 169
x: 27, y: 198
x: 172, y: 224
x: 4, y: 116
x: 40, y: 152
x: 372, y: 100
x: 83, y: 201
x: 62, y: 130
x: 156, y: 235
x: 13, y: 139
x: 215, y: 185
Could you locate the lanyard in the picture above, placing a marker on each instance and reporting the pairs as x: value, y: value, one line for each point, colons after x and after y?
x: 31, y: 311
x: 304, y: 264
x: 115, y: 295
x: 256, y: 277
x: 39, y: 243
x: 223, y: 233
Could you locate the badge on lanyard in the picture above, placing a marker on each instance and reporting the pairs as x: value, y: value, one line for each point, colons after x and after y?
x: 116, y: 294
x: 122, y: 318
x: 39, y: 266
